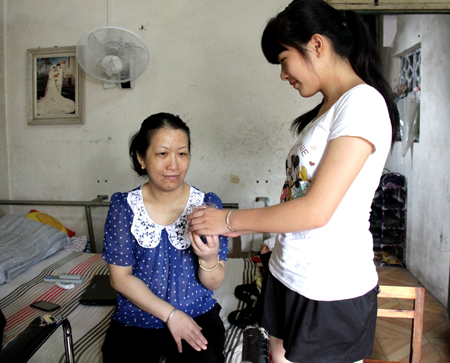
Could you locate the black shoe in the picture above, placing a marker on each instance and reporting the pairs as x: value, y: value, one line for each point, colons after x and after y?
x: 243, y: 318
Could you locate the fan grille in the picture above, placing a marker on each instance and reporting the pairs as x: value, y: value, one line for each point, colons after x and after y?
x: 112, y: 54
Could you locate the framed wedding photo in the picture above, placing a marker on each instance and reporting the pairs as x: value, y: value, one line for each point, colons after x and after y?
x: 55, y: 86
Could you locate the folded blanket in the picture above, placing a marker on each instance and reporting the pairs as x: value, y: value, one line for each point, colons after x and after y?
x: 78, y: 244
x: 24, y: 242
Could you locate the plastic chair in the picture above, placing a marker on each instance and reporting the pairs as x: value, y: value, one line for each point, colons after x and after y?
x: 23, y: 346
x: 416, y: 314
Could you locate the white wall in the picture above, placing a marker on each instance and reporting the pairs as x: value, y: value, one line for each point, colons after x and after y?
x: 205, y: 65
x: 428, y: 227
x: 4, y: 185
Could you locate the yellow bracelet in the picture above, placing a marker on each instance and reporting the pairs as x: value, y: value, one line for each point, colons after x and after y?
x: 210, y: 269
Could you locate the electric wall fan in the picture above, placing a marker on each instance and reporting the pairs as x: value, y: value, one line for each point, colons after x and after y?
x: 112, y: 54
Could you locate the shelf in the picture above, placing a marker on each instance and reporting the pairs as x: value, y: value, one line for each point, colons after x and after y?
x: 388, y: 220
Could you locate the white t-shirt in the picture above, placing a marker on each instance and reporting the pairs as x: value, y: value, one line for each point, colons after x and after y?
x: 335, y: 262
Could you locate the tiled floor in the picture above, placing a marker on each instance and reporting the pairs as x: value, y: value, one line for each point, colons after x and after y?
x: 392, y: 335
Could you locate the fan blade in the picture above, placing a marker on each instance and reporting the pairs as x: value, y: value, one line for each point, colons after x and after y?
x: 94, y: 45
x: 132, y: 50
x: 132, y: 53
x: 136, y: 58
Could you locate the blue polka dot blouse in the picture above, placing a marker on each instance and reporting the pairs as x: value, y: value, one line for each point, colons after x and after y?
x: 161, y: 256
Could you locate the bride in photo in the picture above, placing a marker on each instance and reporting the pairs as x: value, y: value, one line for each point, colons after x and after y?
x: 53, y: 103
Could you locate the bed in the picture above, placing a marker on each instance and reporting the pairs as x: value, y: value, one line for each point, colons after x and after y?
x: 89, y: 323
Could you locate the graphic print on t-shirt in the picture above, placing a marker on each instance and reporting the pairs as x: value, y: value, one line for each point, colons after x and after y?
x: 297, y: 181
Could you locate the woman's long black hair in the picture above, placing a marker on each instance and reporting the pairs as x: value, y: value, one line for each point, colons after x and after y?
x: 350, y: 39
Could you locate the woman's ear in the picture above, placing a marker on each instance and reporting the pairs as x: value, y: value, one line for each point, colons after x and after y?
x: 317, y: 43
x: 140, y: 159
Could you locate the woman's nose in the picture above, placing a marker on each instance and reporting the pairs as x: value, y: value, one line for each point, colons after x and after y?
x: 173, y: 163
x: 283, y: 75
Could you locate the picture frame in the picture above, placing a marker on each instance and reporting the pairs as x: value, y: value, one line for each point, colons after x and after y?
x: 55, y: 86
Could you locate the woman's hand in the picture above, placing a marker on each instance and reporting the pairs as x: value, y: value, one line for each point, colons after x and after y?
x: 208, y: 221
x: 183, y: 327
x: 208, y: 251
x: 211, y: 271
x: 212, y: 221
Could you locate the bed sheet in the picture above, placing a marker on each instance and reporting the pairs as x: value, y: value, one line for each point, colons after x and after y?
x: 89, y: 323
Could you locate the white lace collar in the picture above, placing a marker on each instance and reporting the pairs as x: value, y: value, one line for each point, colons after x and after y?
x: 148, y: 233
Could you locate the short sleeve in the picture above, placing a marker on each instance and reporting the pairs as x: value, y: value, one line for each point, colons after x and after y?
x: 117, y: 243
x: 213, y: 198
x: 362, y: 112
x: 223, y: 249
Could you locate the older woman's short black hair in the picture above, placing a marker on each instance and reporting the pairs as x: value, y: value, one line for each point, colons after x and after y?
x: 140, y: 141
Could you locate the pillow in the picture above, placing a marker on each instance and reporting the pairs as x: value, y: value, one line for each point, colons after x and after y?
x: 49, y: 220
x: 24, y: 242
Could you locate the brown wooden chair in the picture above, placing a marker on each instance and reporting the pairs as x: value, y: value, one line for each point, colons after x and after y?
x: 416, y: 314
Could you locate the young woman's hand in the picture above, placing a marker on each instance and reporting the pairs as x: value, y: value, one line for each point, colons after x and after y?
x: 208, y: 221
x: 212, y: 221
x: 183, y: 327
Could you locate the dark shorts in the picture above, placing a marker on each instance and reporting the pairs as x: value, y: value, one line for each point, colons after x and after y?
x: 312, y: 331
x: 132, y: 344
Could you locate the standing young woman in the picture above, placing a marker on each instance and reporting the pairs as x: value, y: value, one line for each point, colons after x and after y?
x: 321, y: 295
x: 164, y: 274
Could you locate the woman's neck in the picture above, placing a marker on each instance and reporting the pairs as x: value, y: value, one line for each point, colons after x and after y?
x: 156, y: 195
x: 340, y: 81
x: 164, y: 207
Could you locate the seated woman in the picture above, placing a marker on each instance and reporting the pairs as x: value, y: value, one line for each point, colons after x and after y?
x: 164, y: 274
